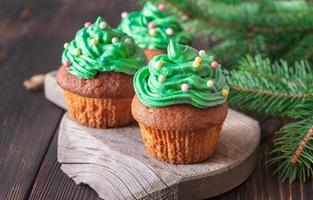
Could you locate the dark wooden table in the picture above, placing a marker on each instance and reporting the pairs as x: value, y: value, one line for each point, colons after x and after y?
x: 32, y: 33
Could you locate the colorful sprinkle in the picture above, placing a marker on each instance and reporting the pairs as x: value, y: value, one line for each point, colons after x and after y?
x: 161, y: 78
x: 124, y: 14
x: 225, y: 92
x: 169, y: 31
x: 152, y: 32
x: 66, y: 45
x: 161, y: 7
x: 67, y: 63
x: 185, y: 87
x: 128, y: 41
x: 151, y: 25
x: 202, y: 53
x: 210, y: 83
x: 115, y: 40
x: 198, y: 59
x: 197, y: 62
x: 102, y: 25
x: 87, y: 24
x: 77, y: 51
x: 159, y: 64
x: 93, y: 41
x: 214, y: 65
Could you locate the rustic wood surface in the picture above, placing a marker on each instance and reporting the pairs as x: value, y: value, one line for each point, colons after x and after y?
x: 32, y: 33
x: 115, y: 164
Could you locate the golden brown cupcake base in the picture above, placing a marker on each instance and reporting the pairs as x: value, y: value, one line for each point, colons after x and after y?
x: 180, y: 147
x: 150, y: 53
x: 99, y: 112
x: 179, y: 134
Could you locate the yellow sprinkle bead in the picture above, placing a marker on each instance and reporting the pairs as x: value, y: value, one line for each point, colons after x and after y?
x: 77, y: 51
x: 93, y: 41
x: 159, y: 64
x: 198, y: 59
x: 225, y: 92
x: 196, y: 64
x: 152, y: 32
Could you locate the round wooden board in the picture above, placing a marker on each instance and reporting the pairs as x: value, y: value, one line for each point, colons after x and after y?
x: 115, y: 164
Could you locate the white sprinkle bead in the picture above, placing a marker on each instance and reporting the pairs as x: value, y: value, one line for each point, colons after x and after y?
x: 185, y: 87
x: 202, y: 53
x: 161, y: 78
x: 102, y: 25
x: 66, y: 45
x: 210, y: 83
x: 115, y: 40
x: 128, y: 41
x: 124, y: 14
x: 169, y: 31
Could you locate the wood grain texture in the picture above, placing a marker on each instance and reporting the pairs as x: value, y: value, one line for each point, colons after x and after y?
x: 115, y: 164
x: 26, y: 129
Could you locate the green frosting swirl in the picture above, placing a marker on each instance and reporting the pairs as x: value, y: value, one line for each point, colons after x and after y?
x: 160, y: 85
x: 97, y: 49
x: 136, y: 25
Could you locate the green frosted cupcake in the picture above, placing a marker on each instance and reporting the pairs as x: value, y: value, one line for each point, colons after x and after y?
x: 96, y: 75
x: 180, y: 104
x: 152, y: 29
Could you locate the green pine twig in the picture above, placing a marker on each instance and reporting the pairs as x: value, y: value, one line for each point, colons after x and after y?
x: 293, y: 151
x: 274, y: 89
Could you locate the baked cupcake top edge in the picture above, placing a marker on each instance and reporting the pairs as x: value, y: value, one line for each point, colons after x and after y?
x: 99, y: 48
x: 152, y: 28
x: 182, y: 76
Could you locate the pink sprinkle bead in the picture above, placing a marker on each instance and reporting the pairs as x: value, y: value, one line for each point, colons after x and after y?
x: 161, y: 7
x: 87, y: 24
x: 151, y: 25
x: 67, y: 64
x: 214, y: 65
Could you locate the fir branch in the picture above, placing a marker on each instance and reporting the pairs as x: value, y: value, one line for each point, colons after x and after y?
x: 274, y: 89
x: 248, y: 16
x: 303, y: 50
x: 293, y: 153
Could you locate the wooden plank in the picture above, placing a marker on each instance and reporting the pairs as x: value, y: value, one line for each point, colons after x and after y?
x: 27, y: 121
x: 91, y: 155
x: 52, y: 183
x: 32, y: 37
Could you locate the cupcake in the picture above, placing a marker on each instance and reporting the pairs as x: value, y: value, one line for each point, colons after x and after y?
x: 96, y: 75
x: 180, y: 104
x: 152, y: 29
